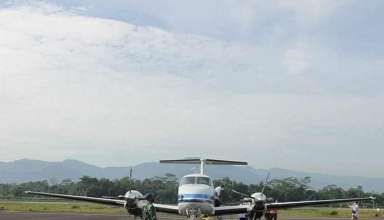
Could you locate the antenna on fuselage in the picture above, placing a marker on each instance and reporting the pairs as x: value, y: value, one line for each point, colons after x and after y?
x: 204, y: 162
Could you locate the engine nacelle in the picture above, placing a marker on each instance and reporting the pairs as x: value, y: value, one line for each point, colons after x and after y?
x: 133, y: 198
x: 133, y: 194
x: 258, y: 206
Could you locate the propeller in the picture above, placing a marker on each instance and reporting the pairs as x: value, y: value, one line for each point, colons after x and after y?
x: 266, y: 182
x: 257, y: 196
x: 130, y: 179
x: 258, y: 200
x: 132, y: 197
x: 240, y: 193
x: 127, y: 194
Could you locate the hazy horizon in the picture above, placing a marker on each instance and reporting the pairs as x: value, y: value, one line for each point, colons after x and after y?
x: 196, y: 167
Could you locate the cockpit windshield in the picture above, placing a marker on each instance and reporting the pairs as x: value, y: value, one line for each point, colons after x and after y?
x: 188, y: 180
x: 196, y: 180
x: 203, y: 180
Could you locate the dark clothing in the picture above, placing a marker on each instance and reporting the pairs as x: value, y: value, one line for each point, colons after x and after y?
x: 149, y: 212
x: 271, y: 214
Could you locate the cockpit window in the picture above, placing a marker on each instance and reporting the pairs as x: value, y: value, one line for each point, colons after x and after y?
x: 196, y: 180
x: 203, y: 180
x: 188, y: 180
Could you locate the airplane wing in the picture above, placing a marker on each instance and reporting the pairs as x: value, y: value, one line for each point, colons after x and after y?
x: 228, y: 210
x: 173, y: 209
x: 282, y: 205
x: 238, y: 209
x: 114, y: 202
x: 106, y: 201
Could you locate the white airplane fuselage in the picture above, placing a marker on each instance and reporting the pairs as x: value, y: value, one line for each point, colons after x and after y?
x: 196, y: 195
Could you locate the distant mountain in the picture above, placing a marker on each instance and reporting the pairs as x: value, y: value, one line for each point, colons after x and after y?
x: 32, y: 170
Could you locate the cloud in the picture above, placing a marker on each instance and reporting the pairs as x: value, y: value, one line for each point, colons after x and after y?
x: 297, y: 60
x: 311, y: 10
x: 248, y: 20
x: 74, y: 86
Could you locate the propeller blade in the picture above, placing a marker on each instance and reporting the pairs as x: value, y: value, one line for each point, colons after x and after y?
x: 240, y: 193
x: 266, y: 182
x: 130, y: 180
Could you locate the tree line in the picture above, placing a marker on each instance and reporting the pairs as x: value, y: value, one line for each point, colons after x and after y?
x: 165, y: 189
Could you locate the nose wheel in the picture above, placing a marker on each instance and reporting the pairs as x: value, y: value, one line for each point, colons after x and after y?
x: 255, y: 216
x: 193, y: 214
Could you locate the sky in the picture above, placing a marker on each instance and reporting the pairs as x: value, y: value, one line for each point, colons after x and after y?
x: 291, y: 84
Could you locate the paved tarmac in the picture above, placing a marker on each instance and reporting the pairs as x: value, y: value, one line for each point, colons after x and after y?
x: 68, y: 216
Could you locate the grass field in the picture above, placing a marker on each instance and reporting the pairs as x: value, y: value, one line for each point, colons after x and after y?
x: 44, y: 206
x: 80, y: 207
x: 329, y: 212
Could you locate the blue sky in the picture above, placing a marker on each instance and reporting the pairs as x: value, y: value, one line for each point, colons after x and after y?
x: 292, y: 84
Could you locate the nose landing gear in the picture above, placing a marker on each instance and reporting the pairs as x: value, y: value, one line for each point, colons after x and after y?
x: 193, y: 214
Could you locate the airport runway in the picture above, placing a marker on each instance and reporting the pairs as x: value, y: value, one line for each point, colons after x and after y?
x: 67, y: 216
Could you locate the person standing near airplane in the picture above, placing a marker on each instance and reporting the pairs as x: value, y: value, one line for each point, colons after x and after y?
x: 243, y: 216
x: 149, y: 211
x: 355, y: 211
x: 271, y: 214
x: 218, y: 191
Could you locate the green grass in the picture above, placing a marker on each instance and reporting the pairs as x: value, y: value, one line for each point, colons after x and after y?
x: 70, y: 207
x: 328, y: 212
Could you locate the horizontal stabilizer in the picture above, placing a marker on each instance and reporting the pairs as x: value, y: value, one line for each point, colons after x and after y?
x: 205, y: 161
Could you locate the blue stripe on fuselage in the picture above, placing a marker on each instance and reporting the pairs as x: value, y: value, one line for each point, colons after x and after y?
x: 195, y: 198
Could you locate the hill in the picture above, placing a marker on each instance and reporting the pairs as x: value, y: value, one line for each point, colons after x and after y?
x: 33, y: 170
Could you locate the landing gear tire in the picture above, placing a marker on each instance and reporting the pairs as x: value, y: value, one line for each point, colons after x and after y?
x: 254, y: 217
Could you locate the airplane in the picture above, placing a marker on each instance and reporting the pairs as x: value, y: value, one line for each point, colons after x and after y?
x: 197, y: 198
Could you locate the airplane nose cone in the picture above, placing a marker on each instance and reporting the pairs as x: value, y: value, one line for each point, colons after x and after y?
x: 194, y: 192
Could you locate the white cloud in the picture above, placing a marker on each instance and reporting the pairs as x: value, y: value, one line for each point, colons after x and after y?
x: 311, y: 12
x: 74, y: 86
x: 297, y: 60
